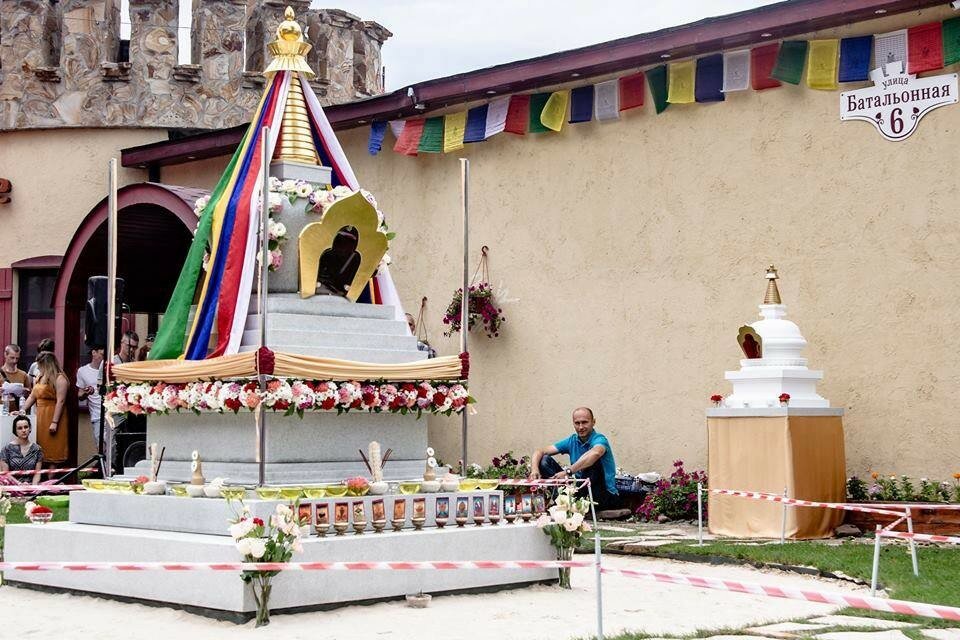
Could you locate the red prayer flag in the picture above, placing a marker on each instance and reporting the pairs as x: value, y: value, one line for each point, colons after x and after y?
x: 409, y: 138
x: 631, y: 91
x: 762, y: 61
x: 518, y: 114
x: 925, y: 47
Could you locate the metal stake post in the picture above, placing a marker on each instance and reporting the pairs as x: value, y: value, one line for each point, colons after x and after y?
x: 783, y: 520
x: 876, y: 563
x: 699, y: 514
x: 262, y: 298
x: 465, y: 299
x: 597, y: 556
x: 111, y: 265
x: 913, y: 545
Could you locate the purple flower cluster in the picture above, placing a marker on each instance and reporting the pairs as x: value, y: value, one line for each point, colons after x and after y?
x: 675, y: 497
x: 483, y: 310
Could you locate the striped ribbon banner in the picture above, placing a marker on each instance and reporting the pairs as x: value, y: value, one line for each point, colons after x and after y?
x: 425, y: 565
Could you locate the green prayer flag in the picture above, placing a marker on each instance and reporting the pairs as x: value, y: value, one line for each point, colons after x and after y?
x: 951, y: 41
x: 537, y: 102
x: 657, y: 79
x: 432, y: 139
x: 171, y: 336
x: 790, y: 60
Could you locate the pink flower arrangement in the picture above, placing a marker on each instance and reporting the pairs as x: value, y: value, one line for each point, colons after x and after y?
x: 288, y: 396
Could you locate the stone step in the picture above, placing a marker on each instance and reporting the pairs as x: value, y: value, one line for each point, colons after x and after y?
x: 224, y: 591
x: 279, y: 473
x: 320, y: 339
x: 321, y: 306
x: 330, y: 324
x: 379, y: 356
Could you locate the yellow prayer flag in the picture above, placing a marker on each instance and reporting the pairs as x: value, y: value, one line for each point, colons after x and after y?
x: 555, y: 111
x: 680, y: 82
x: 822, y: 57
x: 454, y: 126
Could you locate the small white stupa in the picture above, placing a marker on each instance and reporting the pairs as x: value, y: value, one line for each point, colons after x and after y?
x: 774, y: 362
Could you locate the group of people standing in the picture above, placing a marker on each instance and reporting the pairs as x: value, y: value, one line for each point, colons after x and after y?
x: 46, y: 387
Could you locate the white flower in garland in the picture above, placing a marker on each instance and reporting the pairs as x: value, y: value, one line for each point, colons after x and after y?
x: 200, y: 204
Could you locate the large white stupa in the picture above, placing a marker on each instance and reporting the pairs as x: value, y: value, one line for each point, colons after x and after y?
x: 774, y: 362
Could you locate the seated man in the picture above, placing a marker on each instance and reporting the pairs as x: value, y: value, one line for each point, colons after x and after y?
x: 590, y: 457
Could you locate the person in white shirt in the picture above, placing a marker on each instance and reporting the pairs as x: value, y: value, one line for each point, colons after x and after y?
x: 88, y: 388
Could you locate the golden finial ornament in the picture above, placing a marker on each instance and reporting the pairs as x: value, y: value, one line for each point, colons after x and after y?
x: 773, y: 294
x: 295, y: 142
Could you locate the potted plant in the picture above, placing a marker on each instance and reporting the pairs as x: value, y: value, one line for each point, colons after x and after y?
x: 716, y: 399
x: 784, y: 399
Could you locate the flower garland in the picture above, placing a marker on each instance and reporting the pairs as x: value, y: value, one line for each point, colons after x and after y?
x: 290, y: 396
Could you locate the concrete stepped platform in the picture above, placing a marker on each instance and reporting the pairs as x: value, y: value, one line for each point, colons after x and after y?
x: 324, y: 339
x: 331, y: 324
x: 223, y: 594
x: 283, y: 473
x: 320, y: 306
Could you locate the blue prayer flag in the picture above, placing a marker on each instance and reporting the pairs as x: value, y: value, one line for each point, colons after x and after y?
x: 855, y: 58
x: 581, y: 104
x: 708, y: 87
x: 476, y: 130
x: 377, y: 131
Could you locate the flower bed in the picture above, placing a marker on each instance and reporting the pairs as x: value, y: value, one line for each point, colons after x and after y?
x: 927, y: 518
x: 289, y: 396
x: 897, y: 493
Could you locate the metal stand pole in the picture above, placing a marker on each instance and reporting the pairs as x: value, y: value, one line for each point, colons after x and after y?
x: 783, y: 520
x: 597, y: 562
x: 699, y: 514
x: 262, y: 297
x: 465, y: 301
x: 111, y: 266
x: 876, y: 563
x: 913, y: 545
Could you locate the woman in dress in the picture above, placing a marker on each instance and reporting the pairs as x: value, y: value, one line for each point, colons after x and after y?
x: 21, y: 455
x: 50, y: 395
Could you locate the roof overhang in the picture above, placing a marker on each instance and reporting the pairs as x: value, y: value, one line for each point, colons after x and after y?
x: 743, y: 29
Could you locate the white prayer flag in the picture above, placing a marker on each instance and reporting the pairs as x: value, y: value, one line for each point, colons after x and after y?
x: 396, y: 126
x: 496, y: 117
x: 736, y: 70
x: 890, y: 47
x: 606, y: 100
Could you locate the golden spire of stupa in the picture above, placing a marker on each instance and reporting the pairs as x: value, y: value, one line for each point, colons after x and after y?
x: 289, y: 50
x: 773, y: 294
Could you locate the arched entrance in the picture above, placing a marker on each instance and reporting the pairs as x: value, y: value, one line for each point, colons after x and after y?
x: 155, y: 226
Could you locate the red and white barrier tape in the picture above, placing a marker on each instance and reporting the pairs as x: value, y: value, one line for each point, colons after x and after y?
x: 544, y: 482
x: 45, y: 471
x: 14, y: 489
x: 920, y: 537
x: 921, y: 506
x: 826, y: 597
x: 772, y: 497
x: 432, y: 565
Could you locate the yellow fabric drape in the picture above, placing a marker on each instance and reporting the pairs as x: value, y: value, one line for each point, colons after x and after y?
x: 822, y: 61
x: 804, y: 454
x: 555, y: 111
x: 681, y: 77
x: 454, y: 127
x: 286, y: 365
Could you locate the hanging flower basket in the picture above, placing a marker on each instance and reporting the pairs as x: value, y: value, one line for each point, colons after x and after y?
x: 483, y: 311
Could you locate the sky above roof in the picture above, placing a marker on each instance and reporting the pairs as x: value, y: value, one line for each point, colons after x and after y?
x: 437, y: 38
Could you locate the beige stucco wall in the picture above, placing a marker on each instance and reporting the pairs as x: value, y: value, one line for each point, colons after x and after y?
x: 630, y: 252
x: 58, y: 175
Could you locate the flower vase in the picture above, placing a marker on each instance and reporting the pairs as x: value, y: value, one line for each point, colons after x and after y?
x: 564, y: 553
x: 261, y: 594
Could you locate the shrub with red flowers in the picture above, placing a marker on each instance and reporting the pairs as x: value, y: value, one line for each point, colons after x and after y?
x: 675, y: 498
x: 504, y: 466
x: 483, y: 310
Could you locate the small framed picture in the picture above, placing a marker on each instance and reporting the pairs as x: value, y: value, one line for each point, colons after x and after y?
x: 321, y: 515
x: 379, y: 512
x: 419, y: 507
x: 304, y: 513
x: 443, y: 507
x: 341, y: 513
x: 478, y: 510
x: 359, y: 515
x: 539, y: 505
x: 526, y: 503
x: 463, y: 507
x: 493, y: 506
x: 400, y: 509
x: 509, y: 505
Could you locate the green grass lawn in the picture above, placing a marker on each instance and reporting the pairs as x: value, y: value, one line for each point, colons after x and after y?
x: 938, y: 582
x: 17, y: 516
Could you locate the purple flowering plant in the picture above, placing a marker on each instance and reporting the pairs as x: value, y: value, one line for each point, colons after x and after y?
x: 483, y: 311
x: 675, y: 497
x: 504, y: 466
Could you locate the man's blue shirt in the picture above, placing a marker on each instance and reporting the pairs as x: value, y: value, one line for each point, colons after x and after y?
x: 575, y: 449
